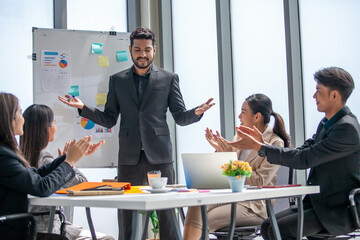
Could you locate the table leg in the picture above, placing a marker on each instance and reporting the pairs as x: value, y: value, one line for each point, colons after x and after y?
x: 134, y: 224
x: 300, y: 225
x: 175, y: 224
x: 233, y: 221
x: 51, y: 219
x: 90, y: 223
x: 204, y: 232
x: 120, y: 224
x: 271, y: 214
x: 146, y: 224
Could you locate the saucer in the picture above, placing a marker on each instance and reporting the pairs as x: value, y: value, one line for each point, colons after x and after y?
x: 164, y: 190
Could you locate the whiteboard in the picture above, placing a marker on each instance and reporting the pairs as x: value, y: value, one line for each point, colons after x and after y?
x: 72, y: 61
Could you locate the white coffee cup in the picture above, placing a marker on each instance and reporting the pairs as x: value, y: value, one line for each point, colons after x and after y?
x: 158, y: 183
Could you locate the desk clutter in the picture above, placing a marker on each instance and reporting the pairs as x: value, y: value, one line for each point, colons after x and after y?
x: 118, y: 188
x: 96, y: 188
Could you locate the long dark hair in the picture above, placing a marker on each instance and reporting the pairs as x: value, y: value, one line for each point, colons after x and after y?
x: 38, y: 119
x: 262, y: 104
x: 9, y: 104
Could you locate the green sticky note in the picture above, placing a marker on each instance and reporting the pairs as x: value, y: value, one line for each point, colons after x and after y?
x: 96, y: 48
x: 121, y: 56
x: 74, y: 90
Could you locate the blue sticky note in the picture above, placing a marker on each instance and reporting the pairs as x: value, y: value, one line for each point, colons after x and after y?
x: 96, y: 48
x: 121, y: 56
x: 74, y: 90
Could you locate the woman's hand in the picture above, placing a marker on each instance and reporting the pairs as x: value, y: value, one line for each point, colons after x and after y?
x: 93, y: 147
x: 224, y: 145
x: 212, y: 139
x: 77, y: 150
x: 66, y: 148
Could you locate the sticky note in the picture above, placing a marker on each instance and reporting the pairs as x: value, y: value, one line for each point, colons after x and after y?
x: 100, y: 99
x: 121, y: 56
x: 103, y: 61
x: 74, y: 90
x: 96, y: 48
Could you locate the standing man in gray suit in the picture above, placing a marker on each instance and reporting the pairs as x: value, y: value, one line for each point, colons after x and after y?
x: 142, y: 95
x: 333, y: 154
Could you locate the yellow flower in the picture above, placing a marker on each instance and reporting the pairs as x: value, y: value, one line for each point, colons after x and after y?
x: 237, y: 168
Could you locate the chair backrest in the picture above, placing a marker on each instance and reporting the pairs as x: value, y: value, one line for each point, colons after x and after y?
x: 354, y: 206
x: 27, y: 216
x: 284, y: 176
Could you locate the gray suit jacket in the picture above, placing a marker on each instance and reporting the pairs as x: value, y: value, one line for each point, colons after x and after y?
x: 334, y: 158
x: 143, y: 125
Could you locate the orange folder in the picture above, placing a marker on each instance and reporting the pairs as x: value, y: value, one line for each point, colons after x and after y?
x: 93, y: 185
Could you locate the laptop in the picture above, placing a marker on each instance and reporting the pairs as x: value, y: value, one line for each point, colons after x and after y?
x: 203, y: 170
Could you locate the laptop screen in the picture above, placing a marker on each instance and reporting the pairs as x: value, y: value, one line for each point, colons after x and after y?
x: 203, y: 170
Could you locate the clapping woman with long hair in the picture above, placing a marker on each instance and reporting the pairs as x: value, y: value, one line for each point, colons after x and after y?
x: 39, y: 130
x: 256, y: 111
x: 18, y: 179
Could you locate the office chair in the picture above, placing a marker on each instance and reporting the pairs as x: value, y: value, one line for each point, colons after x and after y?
x: 61, y: 217
x: 284, y: 176
x: 27, y: 216
x: 33, y: 235
x: 354, y: 199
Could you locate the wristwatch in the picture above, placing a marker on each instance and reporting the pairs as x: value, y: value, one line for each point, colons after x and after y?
x: 262, y: 152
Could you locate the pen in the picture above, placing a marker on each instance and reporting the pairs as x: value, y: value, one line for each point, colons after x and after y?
x: 103, y: 188
x: 71, y: 97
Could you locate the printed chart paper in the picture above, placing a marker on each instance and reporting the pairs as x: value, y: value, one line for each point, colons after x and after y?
x: 55, y: 70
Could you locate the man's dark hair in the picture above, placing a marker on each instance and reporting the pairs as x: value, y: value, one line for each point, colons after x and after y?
x: 142, y: 33
x: 336, y: 78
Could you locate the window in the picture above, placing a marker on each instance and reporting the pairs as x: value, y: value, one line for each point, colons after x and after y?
x: 329, y: 41
x: 259, y: 53
x: 17, y: 18
x: 99, y: 15
x: 196, y: 62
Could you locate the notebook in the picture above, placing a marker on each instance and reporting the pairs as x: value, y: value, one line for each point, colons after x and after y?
x: 203, y: 170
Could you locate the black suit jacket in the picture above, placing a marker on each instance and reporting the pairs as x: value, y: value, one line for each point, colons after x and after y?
x: 16, y: 182
x: 334, y: 158
x: 143, y: 124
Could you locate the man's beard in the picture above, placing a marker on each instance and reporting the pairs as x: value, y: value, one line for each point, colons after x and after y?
x: 138, y: 65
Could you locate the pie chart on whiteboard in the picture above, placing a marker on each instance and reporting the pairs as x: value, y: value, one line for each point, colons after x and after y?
x: 87, y: 124
x: 62, y: 63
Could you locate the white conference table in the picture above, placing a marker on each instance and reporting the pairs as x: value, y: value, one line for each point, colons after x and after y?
x: 172, y: 200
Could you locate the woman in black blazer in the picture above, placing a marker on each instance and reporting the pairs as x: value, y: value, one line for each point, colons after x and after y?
x: 18, y: 179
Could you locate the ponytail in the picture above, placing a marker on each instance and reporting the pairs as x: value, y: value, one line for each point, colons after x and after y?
x: 262, y: 104
x: 279, y: 129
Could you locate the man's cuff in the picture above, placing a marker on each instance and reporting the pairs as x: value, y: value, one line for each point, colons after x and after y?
x: 262, y: 151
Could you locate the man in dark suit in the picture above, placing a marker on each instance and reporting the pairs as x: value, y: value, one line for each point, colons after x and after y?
x: 333, y: 154
x: 142, y: 94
